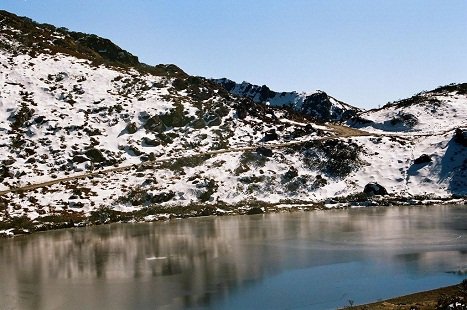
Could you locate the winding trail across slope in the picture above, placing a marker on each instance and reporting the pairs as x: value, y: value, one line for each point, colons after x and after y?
x: 338, y: 130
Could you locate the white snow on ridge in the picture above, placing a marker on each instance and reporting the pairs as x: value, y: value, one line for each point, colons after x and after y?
x: 447, y: 113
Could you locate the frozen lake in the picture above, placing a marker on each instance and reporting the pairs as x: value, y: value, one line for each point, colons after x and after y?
x: 312, y: 260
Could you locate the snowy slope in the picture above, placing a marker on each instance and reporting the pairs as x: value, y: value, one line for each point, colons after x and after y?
x: 318, y: 104
x: 431, y: 112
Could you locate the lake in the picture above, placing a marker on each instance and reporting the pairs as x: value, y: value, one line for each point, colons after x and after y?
x: 303, y: 260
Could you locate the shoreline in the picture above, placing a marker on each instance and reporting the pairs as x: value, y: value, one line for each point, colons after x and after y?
x: 63, y: 219
x: 425, y: 300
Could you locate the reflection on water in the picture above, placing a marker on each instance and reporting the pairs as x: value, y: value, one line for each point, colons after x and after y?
x: 300, y: 260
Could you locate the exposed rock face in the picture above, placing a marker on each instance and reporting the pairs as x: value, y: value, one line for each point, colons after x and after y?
x: 105, y: 48
x: 131, y: 128
x: 318, y: 105
x: 290, y: 174
x: 375, y: 189
x: 461, y: 136
x: 423, y: 159
x: 45, y: 37
x: 405, y: 119
x: 95, y: 155
x: 264, y: 151
x: 271, y: 135
x: 80, y: 159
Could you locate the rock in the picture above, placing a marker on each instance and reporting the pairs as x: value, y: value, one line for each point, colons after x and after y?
x: 162, y: 197
x: 198, y: 124
x: 290, y: 174
x: 5, y: 172
x: 264, y: 151
x: 375, y: 189
x: 131, y: 128
x: 30, y: 160
x: 423, y: 159
x: 80, y: 159
x: 212, y: 119
x: 133, y: 151
x: 254, y: 210
x: 271, y: 135
x: 8, y: 162
x: 242, y: 109
x: 461, y: 136
x: 95, y: 155
x: 406, y: 119
x: 358, y: 120
x: 319, y: 182
x: 150, y: 142
x: 154, y: 124
x: 40, y: 120
x: 309, y: 128
x: 105, y: 48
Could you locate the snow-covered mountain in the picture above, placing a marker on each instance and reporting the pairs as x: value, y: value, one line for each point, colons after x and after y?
x: 88, y: 134
x: 318, y: 105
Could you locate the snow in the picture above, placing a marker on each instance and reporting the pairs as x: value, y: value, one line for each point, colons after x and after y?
x: 433, y: 118
x: 76, y: 106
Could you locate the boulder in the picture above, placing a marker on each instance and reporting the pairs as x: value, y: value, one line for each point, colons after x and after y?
x: 461, y: 136
x: 80, y: 159
x: 290, y: 174
x: 154, y: 124
x: 423, y: 159
x: 95, y: 155
x: 212, y: 119
x: 375, y: 189
x: 242, y: 109
x: 150, y: 142
x: 131, y: 128
x: 264, y: 151
x: 254, y: 210
x: 270, y: 135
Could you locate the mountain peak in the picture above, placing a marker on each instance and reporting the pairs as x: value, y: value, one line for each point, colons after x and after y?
x: 318, y: 104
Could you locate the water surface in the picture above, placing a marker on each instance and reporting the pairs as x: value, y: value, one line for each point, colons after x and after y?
x: 312, y: 260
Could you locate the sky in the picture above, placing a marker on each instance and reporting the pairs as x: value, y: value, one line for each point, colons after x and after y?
x: 363, y: 52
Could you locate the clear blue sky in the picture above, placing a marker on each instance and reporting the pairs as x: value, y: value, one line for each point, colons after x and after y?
x: 364, y: 52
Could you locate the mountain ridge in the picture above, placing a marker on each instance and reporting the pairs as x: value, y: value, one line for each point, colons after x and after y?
x: 318, y: 105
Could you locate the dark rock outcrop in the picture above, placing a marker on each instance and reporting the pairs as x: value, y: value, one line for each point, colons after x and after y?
x: 95, y: 155
x: 105, y: 48
x: 423, y: 159
x: 461, y: 136
x: 271, y: 135
x: 375, y: 189
x: 131, y: 128
x: 318, y: 105
x: 264, y: 151
x: 405, y: 119
x: 290, y: 174
x: 80, y: 159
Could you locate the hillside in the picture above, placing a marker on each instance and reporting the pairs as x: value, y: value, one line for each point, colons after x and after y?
x: 442, y: 109
x: 90, y: 135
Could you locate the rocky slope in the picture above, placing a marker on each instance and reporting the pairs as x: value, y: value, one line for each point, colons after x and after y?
x: 318, y: 105
x: 90, y: 135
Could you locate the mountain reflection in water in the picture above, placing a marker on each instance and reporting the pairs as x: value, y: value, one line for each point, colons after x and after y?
x: 214, y: 261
